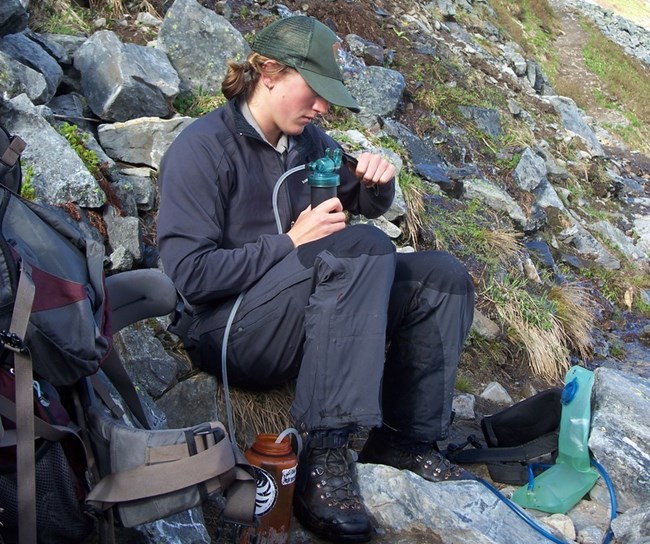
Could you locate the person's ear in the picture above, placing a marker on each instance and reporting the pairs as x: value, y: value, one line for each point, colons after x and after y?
x: 270, y: 72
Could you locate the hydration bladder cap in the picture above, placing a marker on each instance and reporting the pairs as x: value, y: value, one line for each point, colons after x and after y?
x: 569, y: 391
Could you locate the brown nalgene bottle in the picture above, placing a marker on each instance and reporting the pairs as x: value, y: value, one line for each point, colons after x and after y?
x: 275, y: 468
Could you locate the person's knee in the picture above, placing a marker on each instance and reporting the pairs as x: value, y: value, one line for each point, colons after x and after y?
x: 364, y: 239
x: 350, y: 242
x: 439, y: 269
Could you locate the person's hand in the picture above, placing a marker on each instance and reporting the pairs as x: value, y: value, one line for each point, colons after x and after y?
x: 373, y: 169
x: 323, y: 220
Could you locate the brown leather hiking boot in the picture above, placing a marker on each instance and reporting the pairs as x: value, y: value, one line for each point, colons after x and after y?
x: 326, y: 500
x: 430, y: 465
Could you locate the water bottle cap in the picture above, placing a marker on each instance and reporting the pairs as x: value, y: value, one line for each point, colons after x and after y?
x: 266, y: 444
x: 323, y: 170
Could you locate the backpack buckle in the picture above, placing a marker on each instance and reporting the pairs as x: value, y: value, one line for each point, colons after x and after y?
x: 12, y: 341
x: 12, y: 153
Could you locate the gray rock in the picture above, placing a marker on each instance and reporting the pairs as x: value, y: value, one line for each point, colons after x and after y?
x: 588, y: 517
x: 192, y: 401
x: 485, y: 327
x: 633, y: 526
x: 181, y: 528
x: 530, y: 171
x: 51, y: 47
x: 554, y: 170
x: 514, y: 59
x: 495, y: 392
x: 151, y: 368
x: 573, y: 121
x: 435, y: 173
x: 123, y: 191
x: 620, y: 240
x: 485, y: 119
x: 620, y: 439
x: 641, y: 226
x: 463, y: 406
x: 587, y: 246
x: 141, y: 141
x: 371, y: 53
x: 125, y: 81
x: 13, y: 17
x: 535, y: 76
x: 389, y: 229
x: 198, y: 43
x: 496, y: 198
x: 67, y: 42
x: 425, y: 157
x: 31, y: 54
x: 72, y: 108
x: 452, y: 512
x: 58, y: 174
x: 378, y: 91
x: 546, y: 197
x: 138, y: 183
x: 16, y: 78
x: 125, y: 237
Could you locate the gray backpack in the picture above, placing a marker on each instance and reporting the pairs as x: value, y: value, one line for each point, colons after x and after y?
x: 74, y: 439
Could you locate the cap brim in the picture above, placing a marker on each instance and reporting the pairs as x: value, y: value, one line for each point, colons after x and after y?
x: 330, y: 89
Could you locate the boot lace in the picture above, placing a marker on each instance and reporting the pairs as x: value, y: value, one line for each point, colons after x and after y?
x: 336, y: 483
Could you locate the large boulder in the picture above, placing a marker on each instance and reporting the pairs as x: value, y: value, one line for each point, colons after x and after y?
x: 199, y: 42
x: 125, y: 81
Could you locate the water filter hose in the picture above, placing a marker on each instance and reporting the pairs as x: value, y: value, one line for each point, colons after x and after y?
x: 235, y: 307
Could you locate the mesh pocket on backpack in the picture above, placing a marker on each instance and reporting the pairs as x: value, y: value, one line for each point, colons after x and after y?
x: 59, y: 500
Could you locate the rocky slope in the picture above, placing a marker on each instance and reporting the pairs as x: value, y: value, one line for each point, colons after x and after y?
x: 459, y: 140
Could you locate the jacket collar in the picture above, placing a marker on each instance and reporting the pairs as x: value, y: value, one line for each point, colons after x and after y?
x: 305, y: 143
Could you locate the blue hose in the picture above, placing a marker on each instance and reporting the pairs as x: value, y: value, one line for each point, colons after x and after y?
x: 531, y: 473
x: 530, y: 521
x: 537, y: 527
x: 612, y: 497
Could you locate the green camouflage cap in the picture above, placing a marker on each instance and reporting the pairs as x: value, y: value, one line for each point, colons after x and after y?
x: 310, y: 47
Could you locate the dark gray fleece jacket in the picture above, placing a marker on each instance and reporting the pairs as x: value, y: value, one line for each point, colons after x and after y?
x: 217, y: 232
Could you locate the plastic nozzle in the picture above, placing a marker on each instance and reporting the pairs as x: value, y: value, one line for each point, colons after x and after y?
x: 323, y: 177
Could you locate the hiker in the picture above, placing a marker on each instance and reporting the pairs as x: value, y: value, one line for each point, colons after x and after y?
x: 371, y: 337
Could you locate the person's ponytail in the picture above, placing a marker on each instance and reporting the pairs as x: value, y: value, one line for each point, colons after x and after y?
x: 242, y: 77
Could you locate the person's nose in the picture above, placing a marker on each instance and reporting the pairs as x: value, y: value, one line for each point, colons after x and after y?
x: 321, y: 106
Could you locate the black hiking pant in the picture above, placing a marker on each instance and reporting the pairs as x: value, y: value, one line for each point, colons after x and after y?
x: 370, y: 336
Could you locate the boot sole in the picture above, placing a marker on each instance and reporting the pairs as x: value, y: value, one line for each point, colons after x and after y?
x: 323, y: 530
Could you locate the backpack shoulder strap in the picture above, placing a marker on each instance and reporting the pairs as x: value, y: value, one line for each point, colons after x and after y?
x: 522, y: 453
x: 42, y: 429
x: 25, y: 455
x: 133, y: 296
x: 116, y: 373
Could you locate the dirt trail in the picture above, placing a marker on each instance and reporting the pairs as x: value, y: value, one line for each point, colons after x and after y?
x: 573, y: 77
x: 575, y: 80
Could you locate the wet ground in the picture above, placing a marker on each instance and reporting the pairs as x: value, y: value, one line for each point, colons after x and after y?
x: 627, y: 351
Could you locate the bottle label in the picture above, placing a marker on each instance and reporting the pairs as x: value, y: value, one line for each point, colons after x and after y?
x: 267, y: 492
x: 288, y: 476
